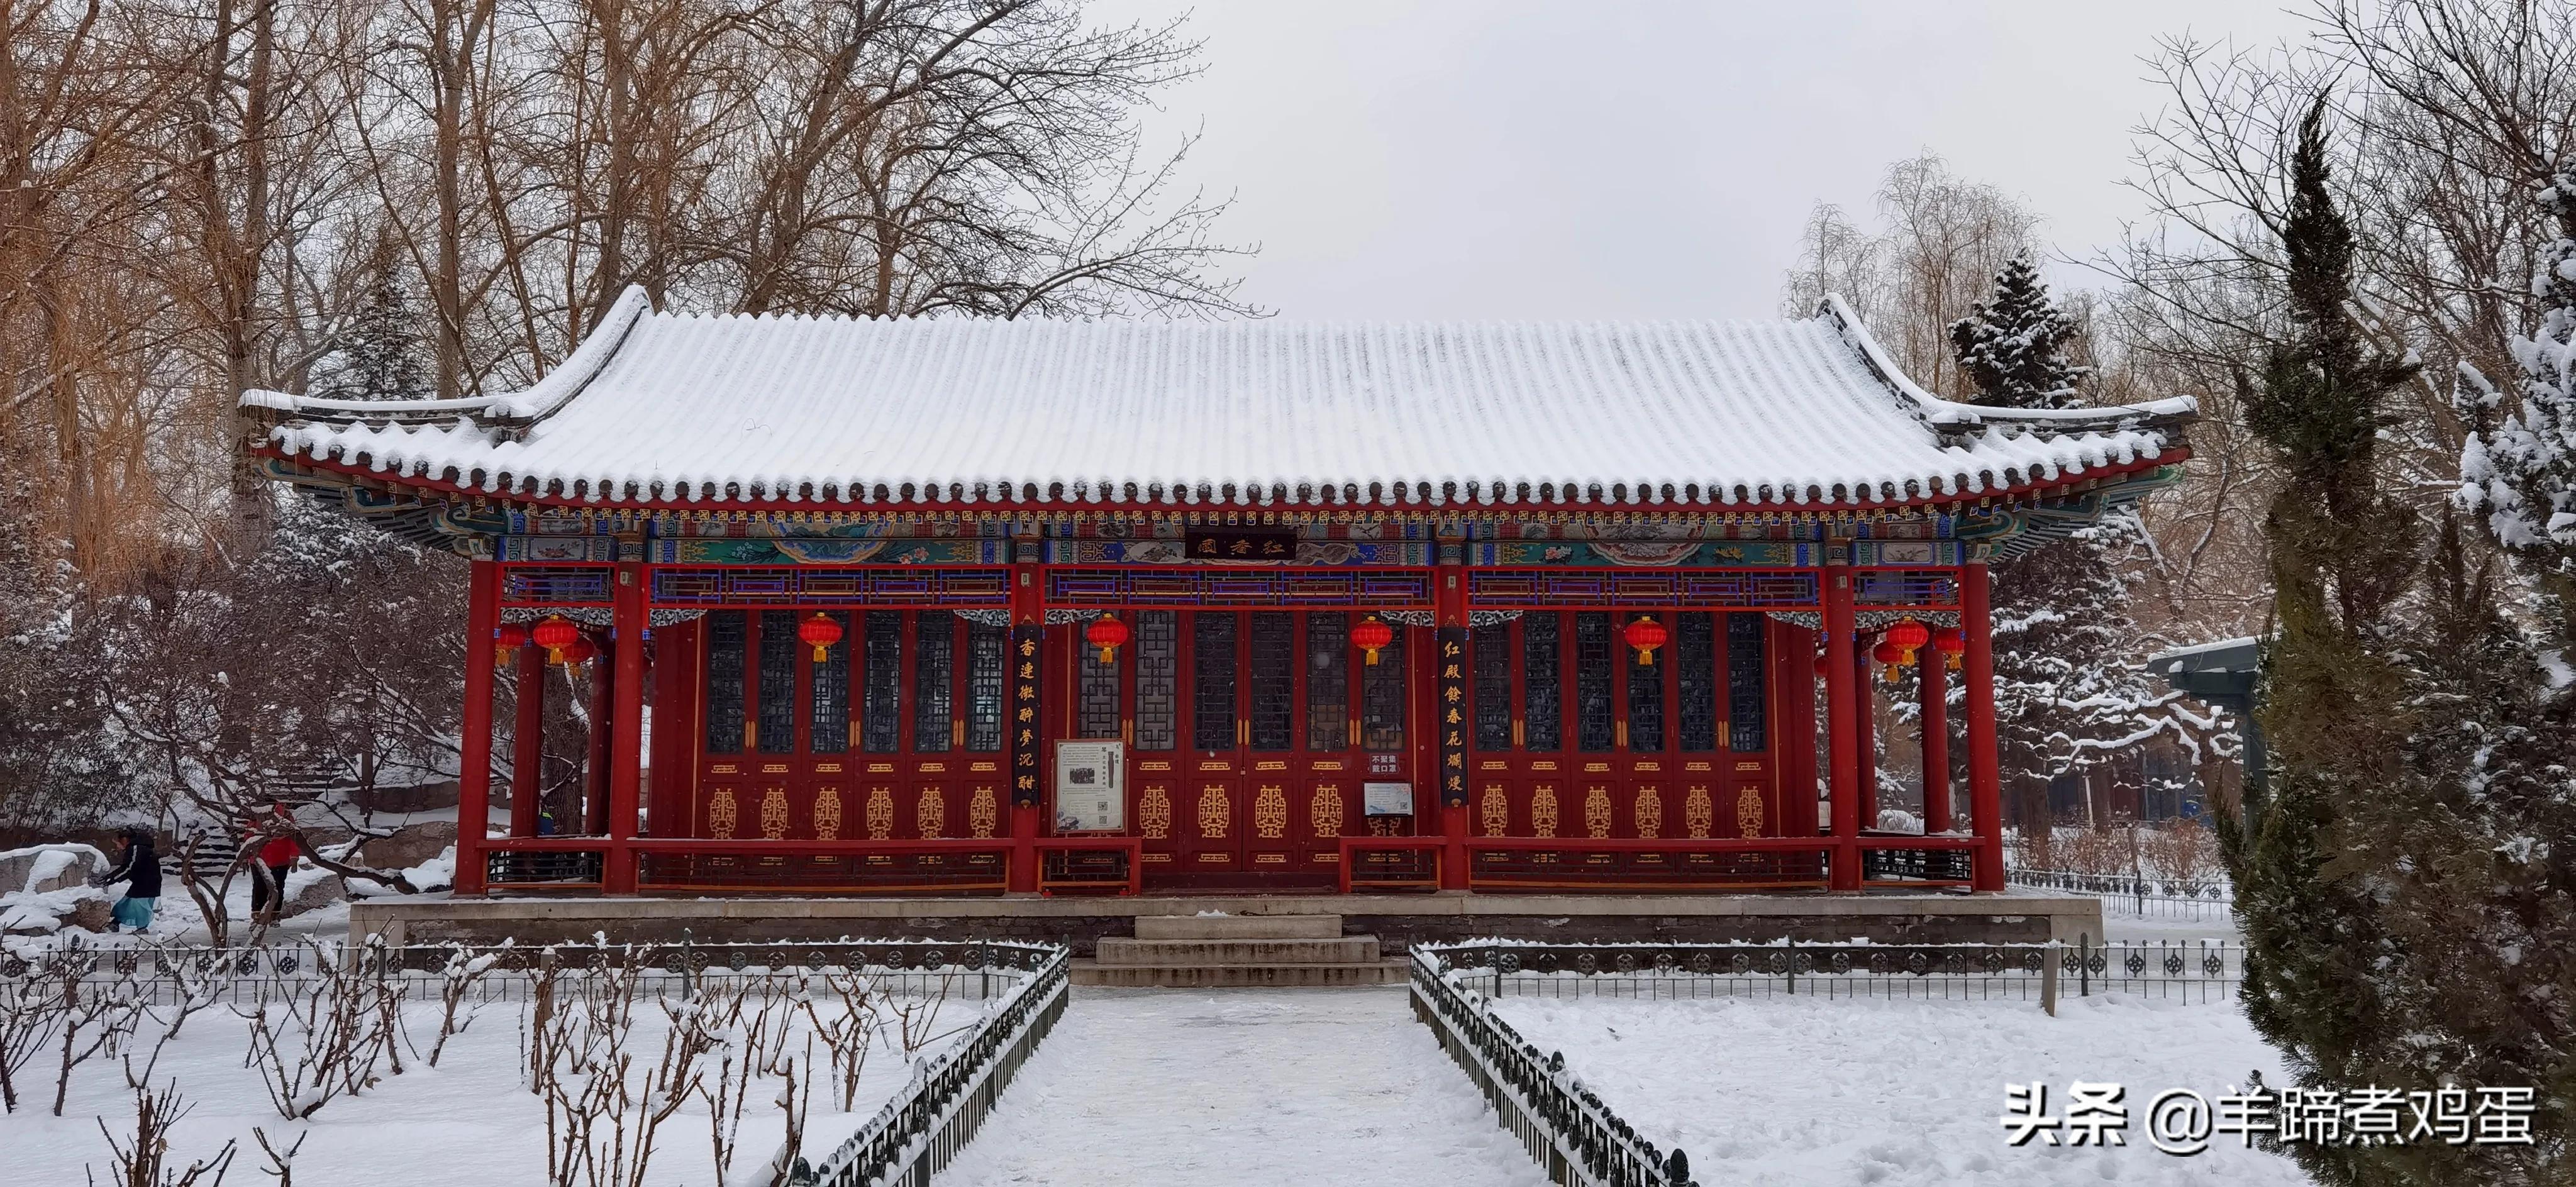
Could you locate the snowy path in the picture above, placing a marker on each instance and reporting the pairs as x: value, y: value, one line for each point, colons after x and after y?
x: 1245, y: 1087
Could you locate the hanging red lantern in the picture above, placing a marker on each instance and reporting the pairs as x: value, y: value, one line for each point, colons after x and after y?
x: 819, y: 633
x: 1952, y: 643
x: 1108, y: 634
x: 1370, y: 635
x: 555, y: 634
x: 507, y: 642
x: 582, y: 651
x: 1890, y: 657
x: 1909, y: 637
x: 1646, y: 634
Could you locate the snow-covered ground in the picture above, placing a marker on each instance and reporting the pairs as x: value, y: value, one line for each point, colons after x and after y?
x: 471, y: 1119
x: 1779, y: 1090
x: 1293, y: 1088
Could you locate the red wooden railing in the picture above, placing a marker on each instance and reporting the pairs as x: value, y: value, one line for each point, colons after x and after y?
x: 1070, y: 875
x: 980, y: 865
x: 1416, y: 864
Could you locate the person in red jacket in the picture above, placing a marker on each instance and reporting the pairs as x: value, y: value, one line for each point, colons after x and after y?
x: 268, y: 894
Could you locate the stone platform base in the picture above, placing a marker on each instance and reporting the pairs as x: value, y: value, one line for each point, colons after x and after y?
x: 1396, y: 920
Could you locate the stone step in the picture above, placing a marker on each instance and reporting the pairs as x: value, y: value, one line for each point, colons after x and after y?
x: 1238, y: 927
x: 1237, y: 976
x: 1339, y: 950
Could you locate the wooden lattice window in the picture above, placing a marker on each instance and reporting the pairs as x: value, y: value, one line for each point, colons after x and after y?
x: 1542, y: 682
x: 1595, y: 726
x: 1096, y: 707
x: 827, y: 694
x: 934, y: 681
x: 1695, y: 681
x: 1490, y: 659
x: 1273, y: 723
x: 1212, y: 679
x: 728, y: 634
x: 1645, y: 703
x: 1158, y: 679
x: 881, y: 696
x: 778, y: 645
x: 1382, y: 698
x: 1328, y: 680
x: 988, y: 650
x: 1747, y: 705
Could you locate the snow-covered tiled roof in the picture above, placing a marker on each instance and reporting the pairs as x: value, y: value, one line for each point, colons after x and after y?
x: 661, y: 407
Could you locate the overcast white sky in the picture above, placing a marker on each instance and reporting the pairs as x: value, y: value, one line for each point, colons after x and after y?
x: 1628, y: 158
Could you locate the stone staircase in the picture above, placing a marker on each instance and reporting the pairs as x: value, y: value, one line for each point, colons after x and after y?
x: 1226, y: 951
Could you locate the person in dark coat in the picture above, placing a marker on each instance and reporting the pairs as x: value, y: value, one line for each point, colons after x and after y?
x: 140, y: 870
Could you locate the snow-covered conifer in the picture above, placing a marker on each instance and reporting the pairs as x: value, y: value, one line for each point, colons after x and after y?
x: 2070, y: 686
x: 2014, y: 346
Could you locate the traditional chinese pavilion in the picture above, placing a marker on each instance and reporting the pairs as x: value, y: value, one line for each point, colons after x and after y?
x: 960, y: 606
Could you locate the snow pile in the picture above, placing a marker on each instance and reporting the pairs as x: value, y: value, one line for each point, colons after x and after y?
x: 1901, y: 1093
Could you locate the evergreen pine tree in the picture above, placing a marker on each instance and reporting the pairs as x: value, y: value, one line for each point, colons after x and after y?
x: 2015, y: 346
x: 2069, y: 685
x: 381, y: 355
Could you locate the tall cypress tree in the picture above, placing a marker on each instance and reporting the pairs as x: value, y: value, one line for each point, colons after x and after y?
x: 2392, y: 698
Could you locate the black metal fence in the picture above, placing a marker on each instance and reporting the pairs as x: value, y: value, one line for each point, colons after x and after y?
x: 1565, y: 1128
x: 915, y: 1135
x: 2189, y: 970
x: 508, y: 972
x: 2171, y: 898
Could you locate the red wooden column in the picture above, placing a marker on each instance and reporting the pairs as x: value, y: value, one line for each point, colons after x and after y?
x: 1451, y: 641
x: 1985, y: 777
x: 1028, y: 630
x: 474, y: 757
x: 528, y: 741
x: 1935, y: 679
x: 626, y: 726
x: 1842, y: 713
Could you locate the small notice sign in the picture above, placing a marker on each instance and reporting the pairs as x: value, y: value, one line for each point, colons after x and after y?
x: 1387, y: 799
x: 1241, y: 544
x: 1090, y: 787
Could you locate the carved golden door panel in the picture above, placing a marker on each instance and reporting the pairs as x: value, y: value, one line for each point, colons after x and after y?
x: 1211, y: 821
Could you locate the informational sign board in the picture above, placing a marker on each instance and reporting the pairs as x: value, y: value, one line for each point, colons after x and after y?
x: 1387, y: 799
x: 1090, y: 787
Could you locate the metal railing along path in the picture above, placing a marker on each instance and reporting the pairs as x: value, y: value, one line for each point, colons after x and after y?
x: 1565, y: 1128
x: 916, y: 1134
